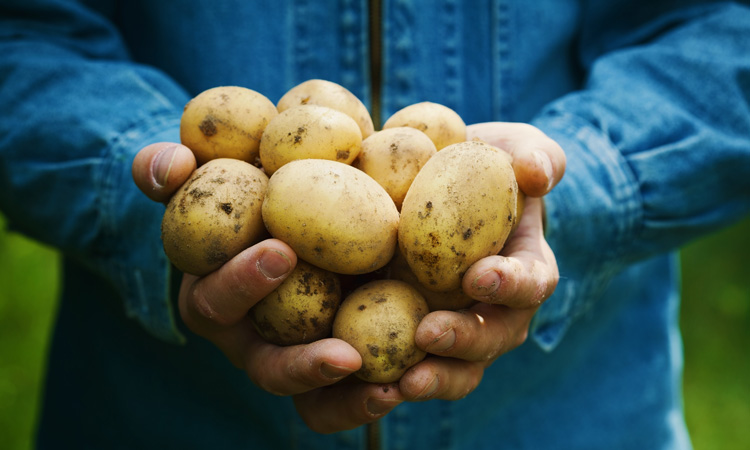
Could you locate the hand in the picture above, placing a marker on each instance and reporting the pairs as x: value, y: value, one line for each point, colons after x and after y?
x: 215, y: 307
x: 538, y: 161
x: 510, y: 287
x: 325, y: 405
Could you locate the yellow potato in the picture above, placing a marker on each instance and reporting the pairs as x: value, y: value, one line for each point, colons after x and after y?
x: 309, y: 132
x: 214, y: 216
x: 459, y: 209
x: 334, y: 216
x: 398, y: 269
x: 332, y: 95
x: 443, y: 125
x: 301, y: 309
x: 520, y: 205
x: 380, y: 320
x: 226, y: 122
x: 393, y: 157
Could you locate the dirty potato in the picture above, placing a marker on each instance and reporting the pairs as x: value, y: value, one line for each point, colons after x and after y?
x: 443, y: 125
x: 393, y: 157
x: 454, y: 300
x: 214, y: 216
x: 309, y: 132
x: 333, y: 215
x: 459, y: 209
x: 226, y: 122
x: 332, y: 95
x: 301, y: 309
x: 380, y: 320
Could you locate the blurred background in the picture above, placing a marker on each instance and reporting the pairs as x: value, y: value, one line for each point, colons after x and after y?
x: 715, y: 319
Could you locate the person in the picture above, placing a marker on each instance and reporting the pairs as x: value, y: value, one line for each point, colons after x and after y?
x: 643, y: 106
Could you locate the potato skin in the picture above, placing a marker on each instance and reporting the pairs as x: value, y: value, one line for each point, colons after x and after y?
x: 459, y: 209
x: 330, y: 94
x: 380, y: 320
x: 309, y: 131
x: 440, y: 123
x: 334, y: 216
x: 226, y: 122
x: 393, y: 157
x: 398, y: 269
x: 214, y: 216
x: 301, y: 309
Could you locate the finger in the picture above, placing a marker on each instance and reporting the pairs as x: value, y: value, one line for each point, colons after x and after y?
x: 160, y: 169
x: 223, y: 298
x: 216, y: 306
x: 524, y: 274
x: 479, y: 334
x: 538, y: 161
x: 345, y: 406
x: 286, y: 370
x: 441, y: 378
x: 299, y: 368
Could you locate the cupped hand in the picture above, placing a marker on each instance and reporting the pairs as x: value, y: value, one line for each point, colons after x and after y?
x: 215, y: 307
x: 510, y: 287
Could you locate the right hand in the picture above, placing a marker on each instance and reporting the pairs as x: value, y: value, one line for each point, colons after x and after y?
x: 216, y: 307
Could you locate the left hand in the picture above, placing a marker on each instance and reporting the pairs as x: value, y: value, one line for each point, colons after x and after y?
x: 510, y: 287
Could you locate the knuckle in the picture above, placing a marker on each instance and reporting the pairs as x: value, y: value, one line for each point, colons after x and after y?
x: 284, y: 378
x: 520, y: 337
x: 265, y: 382
x: 312, y: 422
x: 202, y: 306
x: 469, y: 388
x: 552, y: 282
x: 470, y: 383
x: 300, y: 374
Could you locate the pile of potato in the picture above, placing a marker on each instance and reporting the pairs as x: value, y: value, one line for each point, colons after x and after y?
x: 384, y: 223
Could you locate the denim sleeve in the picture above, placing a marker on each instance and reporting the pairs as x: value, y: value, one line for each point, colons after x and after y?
x: 658, y: 147
x: 75, y: 112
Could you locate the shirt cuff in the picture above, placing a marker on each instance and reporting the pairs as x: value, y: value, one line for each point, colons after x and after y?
x: 136, y: 263
x: 590, y: 216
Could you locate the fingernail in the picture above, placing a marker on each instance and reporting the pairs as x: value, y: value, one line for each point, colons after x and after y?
x: 273, y: 264
x: 430, y: 389
x: 487, y: 283
x: 379, y: 406
x: 162, y: 165
x: 334, y: 372
x: 442, y: 342
x: 542, y: 159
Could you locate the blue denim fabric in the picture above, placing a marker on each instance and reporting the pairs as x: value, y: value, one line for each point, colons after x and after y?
x: 649, y: 99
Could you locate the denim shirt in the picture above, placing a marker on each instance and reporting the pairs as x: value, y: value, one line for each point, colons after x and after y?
x: 649, y: 99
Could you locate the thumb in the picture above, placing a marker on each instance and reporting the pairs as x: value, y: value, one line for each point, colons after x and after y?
x: 160, y: 169
x: 524, y: 274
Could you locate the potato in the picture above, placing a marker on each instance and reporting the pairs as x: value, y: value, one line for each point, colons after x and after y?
x: 459, y: 209
x: 334, y: 216
x: 332, y: 95
x: 393, y: 157
x: 520, y: 205
x: 443, y: 125
x: 309, y: 132
x: 226, y: 122
x: 398, y: 269
x: 301, y: 309
x: 214, y: 216
x: 380, y: 320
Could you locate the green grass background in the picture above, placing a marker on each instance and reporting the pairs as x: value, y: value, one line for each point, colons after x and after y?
x: 715, y: 320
